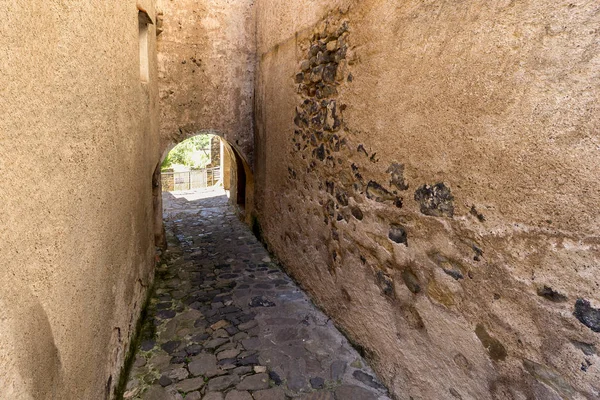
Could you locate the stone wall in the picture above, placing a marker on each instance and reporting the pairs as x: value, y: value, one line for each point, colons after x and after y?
x: 206, y: 71
x: 426, y: 171
x: 78, y: 145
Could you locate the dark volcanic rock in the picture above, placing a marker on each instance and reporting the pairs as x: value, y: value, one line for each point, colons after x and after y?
x: 587, y: 315
x: 435, y: 201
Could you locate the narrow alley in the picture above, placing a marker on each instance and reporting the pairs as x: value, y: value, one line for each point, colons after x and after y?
x: 225, y: 322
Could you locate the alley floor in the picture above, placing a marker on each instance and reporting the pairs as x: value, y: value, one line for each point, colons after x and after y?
x: 226, y: 323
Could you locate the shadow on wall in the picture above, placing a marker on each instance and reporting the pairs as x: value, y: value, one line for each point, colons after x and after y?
x: 237, y: 178
x: 31, y: 366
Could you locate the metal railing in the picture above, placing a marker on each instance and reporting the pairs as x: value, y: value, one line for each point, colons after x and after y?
x: 188, y: 180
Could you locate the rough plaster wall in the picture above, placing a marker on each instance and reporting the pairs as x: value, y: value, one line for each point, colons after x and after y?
x: 206, y: 60
x: 78, y: 145
x: 440, y: 203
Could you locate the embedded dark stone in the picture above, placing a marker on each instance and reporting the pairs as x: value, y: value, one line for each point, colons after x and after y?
x: 326, y: 91
x: 435, y: 201
x: 314, y: 50
x: 177, y: 360
x: 453, y: 273
x: 361, y: 149
x: 378, y: 193
x: 329, y: 73
x: 385, y: 283
x: 317, y: 382
x: 495, y: 349
x: 250, y: 360
x: 171, y: 346
x: 301, y: 120
x: 587, y: 348
x: 261, y: 301
x: 320, y: 152
x: 299, y: 77
x: 165, y: 381
x: 478, y: 253
x: 275, y: 378
x: 397, y: 234
x: 411, y: 281
x: 316, y: 74
x: 342, y: 197
x: 587, y: 315
x: 357, y: 213
x: 397, y: 172
x: 147, y: 345
x: 325, y: 57
x: 166, y: 314
x: 477, y: 214
x: 550, y: 294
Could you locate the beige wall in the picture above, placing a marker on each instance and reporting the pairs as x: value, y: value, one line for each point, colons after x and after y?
x: 78, y: 146
x: 462, y: 290
x: 206, y: 71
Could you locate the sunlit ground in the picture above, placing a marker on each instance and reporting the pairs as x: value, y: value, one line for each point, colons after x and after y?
x: 198, y: 194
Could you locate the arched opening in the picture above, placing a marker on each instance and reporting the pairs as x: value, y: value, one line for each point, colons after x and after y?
x: 201, y: 166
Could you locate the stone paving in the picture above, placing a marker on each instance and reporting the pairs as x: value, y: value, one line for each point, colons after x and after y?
x: 225, y: 323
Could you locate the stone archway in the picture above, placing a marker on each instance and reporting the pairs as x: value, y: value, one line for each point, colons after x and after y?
x: 236, y: 172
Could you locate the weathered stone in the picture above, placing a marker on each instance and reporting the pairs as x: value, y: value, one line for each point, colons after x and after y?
x: 214, y: 343
x: 337, y: 370
x: 213, y: 396
x: 178, y: 374
x: 218, y: 325
x: 223, y: 382
x: 189, y: 385
x: 247, y: 325
x: 232, y: 353
x: 354, y: 393
x: 202, y: 364
x: 254, y: 382
x: 237, y: 395
x: 193, y: 396
x: 270, y: 394
x: 318, y: 396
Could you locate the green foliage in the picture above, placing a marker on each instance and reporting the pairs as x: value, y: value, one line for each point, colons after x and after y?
x: 193, y: 153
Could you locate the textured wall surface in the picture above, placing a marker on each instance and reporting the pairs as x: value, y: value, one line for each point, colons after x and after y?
x: 206, y: 71
x: 427, y: 170
x: 78, y: 145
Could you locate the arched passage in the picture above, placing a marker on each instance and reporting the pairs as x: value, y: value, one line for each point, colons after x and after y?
x: 234, y: 176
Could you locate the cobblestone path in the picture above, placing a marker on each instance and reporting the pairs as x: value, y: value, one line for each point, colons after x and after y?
x: 225, y: 323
